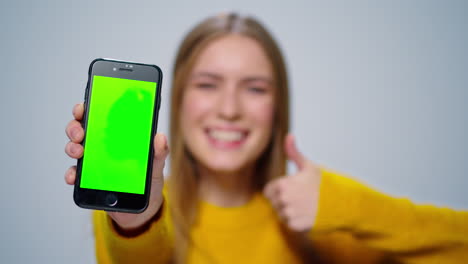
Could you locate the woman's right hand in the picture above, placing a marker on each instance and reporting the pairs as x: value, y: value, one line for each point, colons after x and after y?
x: 126, y: 221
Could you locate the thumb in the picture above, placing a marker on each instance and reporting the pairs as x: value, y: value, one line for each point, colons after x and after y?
x: 161, y: 150
x: 293, y: 153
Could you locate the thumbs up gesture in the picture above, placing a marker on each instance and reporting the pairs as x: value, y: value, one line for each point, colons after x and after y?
x: 295, y: 197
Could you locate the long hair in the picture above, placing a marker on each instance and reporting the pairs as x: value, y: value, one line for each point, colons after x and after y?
x: 183, y: 181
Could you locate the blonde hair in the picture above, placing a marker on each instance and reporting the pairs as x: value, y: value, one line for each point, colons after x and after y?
x: 183, y: 183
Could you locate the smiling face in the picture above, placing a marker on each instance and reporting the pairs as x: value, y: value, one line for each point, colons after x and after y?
x: 227, y: 106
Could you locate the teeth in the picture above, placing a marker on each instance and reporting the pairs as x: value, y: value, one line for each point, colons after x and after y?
x: 223, y: 135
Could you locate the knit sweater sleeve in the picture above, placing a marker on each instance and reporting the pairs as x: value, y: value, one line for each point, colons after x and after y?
x: 155, y: 245
x: 412, y: 233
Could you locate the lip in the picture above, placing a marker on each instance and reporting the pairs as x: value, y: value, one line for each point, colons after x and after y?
x: 223, y: 144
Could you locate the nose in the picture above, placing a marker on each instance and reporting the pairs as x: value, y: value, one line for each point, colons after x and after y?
x: 229, y: 107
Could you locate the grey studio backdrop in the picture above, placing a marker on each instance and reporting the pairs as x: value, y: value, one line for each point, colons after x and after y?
x: 379, y: 92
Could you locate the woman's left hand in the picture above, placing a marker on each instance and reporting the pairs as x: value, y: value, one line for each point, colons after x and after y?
x: 295, y: 197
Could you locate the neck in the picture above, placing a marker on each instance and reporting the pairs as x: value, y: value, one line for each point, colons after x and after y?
x: 226, y: 189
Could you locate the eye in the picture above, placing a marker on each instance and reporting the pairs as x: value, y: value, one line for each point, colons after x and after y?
x: 205, y: 85
x: 257, y: 89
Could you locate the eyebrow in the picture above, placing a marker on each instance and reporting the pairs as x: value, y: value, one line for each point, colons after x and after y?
x: 244, y: 80
x: 207, y: 74
x: 257, y: 78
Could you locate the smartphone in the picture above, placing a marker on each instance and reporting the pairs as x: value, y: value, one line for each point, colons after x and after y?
x: 121, y: 106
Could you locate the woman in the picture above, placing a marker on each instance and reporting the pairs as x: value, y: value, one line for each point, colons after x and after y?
x: 228, y: 198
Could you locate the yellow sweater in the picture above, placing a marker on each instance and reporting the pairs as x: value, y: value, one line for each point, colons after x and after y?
x: 354, y: 225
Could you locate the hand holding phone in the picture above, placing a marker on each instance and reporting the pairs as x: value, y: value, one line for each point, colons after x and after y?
x: 112, y: 138
x: 126, y: 221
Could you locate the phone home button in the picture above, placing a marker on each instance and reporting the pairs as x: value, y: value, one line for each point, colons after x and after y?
x: 111, y: 199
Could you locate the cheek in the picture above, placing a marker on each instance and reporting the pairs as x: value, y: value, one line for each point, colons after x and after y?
x: 261, y: 118
x: 261, y: 112
x: 194, y: 108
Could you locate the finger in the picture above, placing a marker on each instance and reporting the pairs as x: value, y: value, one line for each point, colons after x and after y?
x: 70, y: 175
x: 78, y: 111
x: 278, y: 204
x: 276, y: 187
x: 74, y: 150
x: 286, y: 214
x: 270, y: 189
x: 293, y: 153
x: 299, y: 224
x: 75, y: 131
x: 274, y: 192
x: 161, y: 150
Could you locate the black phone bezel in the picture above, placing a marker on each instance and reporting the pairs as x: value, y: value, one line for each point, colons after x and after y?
x: 110, y: 200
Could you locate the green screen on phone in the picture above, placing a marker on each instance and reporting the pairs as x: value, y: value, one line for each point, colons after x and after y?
x: 118, y: 135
